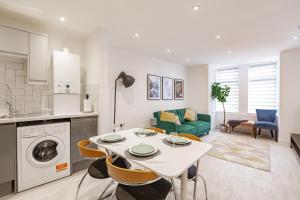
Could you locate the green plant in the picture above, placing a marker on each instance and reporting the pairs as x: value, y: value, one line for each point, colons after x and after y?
x: 220, y: 93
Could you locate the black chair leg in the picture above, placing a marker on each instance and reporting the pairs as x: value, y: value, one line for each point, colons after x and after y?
x: 272, y: 133
x: 276, y: 135
x: 259, y: 131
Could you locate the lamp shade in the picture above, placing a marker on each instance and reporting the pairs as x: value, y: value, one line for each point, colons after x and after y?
x: 126, y: 79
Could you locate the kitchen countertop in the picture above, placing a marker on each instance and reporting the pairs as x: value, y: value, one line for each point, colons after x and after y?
x: 38, y: 117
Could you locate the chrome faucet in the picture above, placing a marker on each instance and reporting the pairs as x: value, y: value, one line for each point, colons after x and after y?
x: 8, y: 100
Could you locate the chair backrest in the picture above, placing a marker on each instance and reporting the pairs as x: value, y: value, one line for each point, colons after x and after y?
x: 266, y: 115
x: 127, y: 176
x: 190, y: 136
x: 89, y: 152
x: 158, y: 130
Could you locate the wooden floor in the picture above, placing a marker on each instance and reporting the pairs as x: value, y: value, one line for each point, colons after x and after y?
x: 225, y: 180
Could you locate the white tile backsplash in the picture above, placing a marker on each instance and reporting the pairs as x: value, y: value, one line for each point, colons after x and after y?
x: 26, y: 98
x: 32, y: 98
x: 10, y: 74
x: 20, y: 82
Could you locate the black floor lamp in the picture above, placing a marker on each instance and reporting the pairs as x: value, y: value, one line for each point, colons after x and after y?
x: 127, y: 82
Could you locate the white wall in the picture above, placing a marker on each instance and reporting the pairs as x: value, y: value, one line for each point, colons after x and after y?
x: 197, y: 94
x: 96, y: 56
x: 133, y: 108
x: 290, y: 96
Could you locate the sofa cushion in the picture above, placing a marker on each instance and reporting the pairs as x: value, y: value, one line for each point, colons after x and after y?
x: 185, y: 128
x: 167, y: 117
x: 201, y: 125
x: 180, y: 113
x: 189, y: 115
x: 177, y: 121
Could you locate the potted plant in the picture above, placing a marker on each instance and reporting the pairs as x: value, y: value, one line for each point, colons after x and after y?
x: 221, y: 93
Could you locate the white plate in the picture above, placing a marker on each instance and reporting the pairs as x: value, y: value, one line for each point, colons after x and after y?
x: 143, y: 155
x: 104, y: 139
x: 181, y: 140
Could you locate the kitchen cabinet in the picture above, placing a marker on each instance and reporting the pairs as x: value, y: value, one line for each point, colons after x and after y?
x: 28, y: 45
x: 13, y: 41
x: 37, y: 59
x: 81, y: 129
x: 8, y: 149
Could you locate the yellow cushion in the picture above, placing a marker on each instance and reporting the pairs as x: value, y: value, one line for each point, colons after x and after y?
x: 189, y: 115
x: 169, y: 117
x: 177, y: 121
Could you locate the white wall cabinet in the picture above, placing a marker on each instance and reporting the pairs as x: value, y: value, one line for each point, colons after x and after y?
x: 33, y: 46
x: 13, y: 41
x: 37, y: 59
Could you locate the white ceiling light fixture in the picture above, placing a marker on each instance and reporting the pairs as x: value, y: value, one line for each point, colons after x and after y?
x: 195, y: 8
x: 218, y: 37
x: 229, y: 52
x: 136, y: 35
x: 187, y: 60
x: 168, y: 51
x: 295, y: 37
x: 62, y: 19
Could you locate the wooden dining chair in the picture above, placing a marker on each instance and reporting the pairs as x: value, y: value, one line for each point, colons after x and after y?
x: 158, y: 130
x: 137, y: 184
x: 97, y: 169
x: 193, y: 170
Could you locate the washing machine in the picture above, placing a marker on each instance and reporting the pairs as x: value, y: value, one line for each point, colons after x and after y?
x: 43, y: 153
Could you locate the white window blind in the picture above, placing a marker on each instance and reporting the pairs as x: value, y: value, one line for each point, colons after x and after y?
x: 229, y: 77
x: 262, y: 87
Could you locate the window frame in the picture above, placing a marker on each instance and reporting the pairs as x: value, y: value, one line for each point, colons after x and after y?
x: 238, y: 90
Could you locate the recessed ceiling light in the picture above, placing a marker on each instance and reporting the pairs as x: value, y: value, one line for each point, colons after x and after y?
x: 229, y: 52
x: 62, y: 19
x: 136, y: 35
x: 218, y: 37
x: 187, y: 60
x: 197, y: 7
x: 296, y: 37
x: 168, y: 50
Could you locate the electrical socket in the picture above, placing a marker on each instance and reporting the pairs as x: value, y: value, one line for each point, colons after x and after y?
x: 122, y: 125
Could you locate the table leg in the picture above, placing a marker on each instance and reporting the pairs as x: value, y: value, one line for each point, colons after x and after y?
x: 254, y: 132
x: 184, y: 180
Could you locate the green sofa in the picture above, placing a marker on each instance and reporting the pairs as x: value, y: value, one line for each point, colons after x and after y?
x: 198, y: 128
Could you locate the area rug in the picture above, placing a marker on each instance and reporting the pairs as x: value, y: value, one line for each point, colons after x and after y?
x: 242, y: 151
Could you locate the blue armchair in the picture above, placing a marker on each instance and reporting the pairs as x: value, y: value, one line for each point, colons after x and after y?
x: 266, y: 119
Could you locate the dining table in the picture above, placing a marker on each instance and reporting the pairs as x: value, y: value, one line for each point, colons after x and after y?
x: 169, y: 162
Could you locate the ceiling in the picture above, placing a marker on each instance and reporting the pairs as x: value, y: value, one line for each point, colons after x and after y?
x: 252, y: 30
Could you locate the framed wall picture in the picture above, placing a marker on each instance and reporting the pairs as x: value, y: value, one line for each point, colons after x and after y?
x: 167, y: 88
x: 178, y: 89
x: 153, y: 87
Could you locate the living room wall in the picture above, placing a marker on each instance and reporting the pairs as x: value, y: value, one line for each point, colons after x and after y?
x: 197, y: 92
x: 133, y: 108
x: 289, y: 96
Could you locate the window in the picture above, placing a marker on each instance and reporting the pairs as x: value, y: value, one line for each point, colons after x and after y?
x: 229, y: 77
x: 262, y: 87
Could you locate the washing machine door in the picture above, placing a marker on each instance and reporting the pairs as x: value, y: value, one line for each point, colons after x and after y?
x: 45, y: 151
